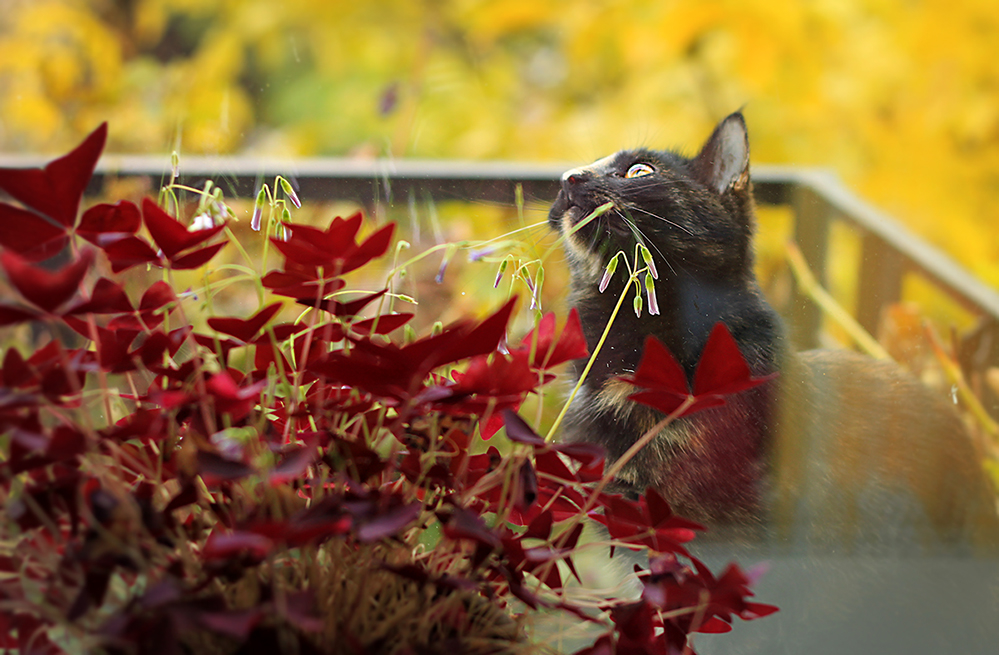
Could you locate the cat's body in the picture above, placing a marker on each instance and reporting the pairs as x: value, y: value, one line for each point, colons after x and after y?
x: 838, y: 449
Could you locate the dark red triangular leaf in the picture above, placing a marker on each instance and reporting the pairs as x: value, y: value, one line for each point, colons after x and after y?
x: 266, y: 354
x: 169, y: 234
x: 480, y: 340
x: 373, y: 247
x: 244, y: 329
x: 106, y: 220
x: 667, y: 402
x: 571, y: 343
x: 156, y: 296
x: 342, y: 232
x: 129, y: 251
x: 303, y: 288
x: 107, y: 298
x: 722, y: 369
x: 587, y: 454
x: 233, y: 623
x: 541, y: 526
x: 12, y: 315
x: 16, y: 372
x: 549, y: 463
x: 659, y: 370
x: 158, y: 343
x: 284, y: 331
x: 465, y: 524
x: 519, y: 431
x: 345, y: 309
x: 41, y: 287
x: 220, y: 546
x: 214, y: 468
x: 57, y: 189
x: 381, y: 324
x: 28, y: 234
x: 387, y: 523
x: 197, y: 258
x: 294, y: 464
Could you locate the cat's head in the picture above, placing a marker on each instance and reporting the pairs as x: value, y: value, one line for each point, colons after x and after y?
x: 694, y: 214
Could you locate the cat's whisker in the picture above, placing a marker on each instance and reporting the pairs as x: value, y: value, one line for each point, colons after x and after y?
x: 642, y: 238
x: 661, y: 218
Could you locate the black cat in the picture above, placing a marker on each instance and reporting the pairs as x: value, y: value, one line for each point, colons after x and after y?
x: 839, y: 448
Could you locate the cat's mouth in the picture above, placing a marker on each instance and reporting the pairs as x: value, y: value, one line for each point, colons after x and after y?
x: 570, y: 213
x: 612, y: 224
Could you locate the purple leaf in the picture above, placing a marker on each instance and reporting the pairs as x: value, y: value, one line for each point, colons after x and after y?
x: 388, y: 523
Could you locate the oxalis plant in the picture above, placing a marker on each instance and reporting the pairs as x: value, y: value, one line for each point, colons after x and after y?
x: 319, y: 485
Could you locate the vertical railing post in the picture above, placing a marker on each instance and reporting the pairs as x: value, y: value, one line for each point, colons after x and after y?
x: 811, y: 233
x: 879, y: 282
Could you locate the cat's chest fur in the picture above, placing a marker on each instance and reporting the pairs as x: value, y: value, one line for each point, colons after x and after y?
x: 835, y: 437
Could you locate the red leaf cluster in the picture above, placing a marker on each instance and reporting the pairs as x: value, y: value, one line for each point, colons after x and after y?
x: 140, y: 454
x: 51, y: 197
x: 316, y: 259
x: 721, y: 371
x: 677, y: 601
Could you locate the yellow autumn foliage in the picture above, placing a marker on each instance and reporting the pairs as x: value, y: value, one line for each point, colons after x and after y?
x: 901, y: 98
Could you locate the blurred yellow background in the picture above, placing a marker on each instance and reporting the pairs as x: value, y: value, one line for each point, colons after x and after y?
x: 900, y: 97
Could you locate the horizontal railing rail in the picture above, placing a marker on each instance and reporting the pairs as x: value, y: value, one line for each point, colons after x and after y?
x: 889, y: 251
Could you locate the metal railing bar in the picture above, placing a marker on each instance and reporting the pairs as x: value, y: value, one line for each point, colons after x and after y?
x: 920, y: 256
x: 317, y: 178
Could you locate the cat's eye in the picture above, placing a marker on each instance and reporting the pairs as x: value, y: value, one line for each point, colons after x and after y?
x: 639, y: 170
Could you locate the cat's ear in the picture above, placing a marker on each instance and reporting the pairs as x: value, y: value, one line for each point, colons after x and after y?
x: 723, y: 162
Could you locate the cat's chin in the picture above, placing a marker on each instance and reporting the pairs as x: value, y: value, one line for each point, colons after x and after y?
x: 574, y: 214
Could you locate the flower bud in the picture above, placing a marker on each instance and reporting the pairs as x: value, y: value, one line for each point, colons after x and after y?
x: 608, y: 273
x: 290, y: 192
x: 499, y: 273
x: 650, y: 291
x: 539, y: 282
x: 258, y: 209
x: 525, y: 274
x: 480, y: 253
x: 647, y: 256
x: 448, y: 254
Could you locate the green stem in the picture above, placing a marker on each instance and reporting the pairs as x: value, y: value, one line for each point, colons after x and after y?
x: 593, y: 357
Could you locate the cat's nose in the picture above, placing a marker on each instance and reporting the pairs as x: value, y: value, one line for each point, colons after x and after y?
x: 574, y: 178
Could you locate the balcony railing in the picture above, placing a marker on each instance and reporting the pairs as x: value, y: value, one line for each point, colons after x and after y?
x: 888, y: 252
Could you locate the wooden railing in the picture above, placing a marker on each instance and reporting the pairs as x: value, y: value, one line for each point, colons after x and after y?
x: 888, y: 253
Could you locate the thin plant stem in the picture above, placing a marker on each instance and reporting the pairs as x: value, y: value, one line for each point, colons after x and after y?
x: 589, y: 364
